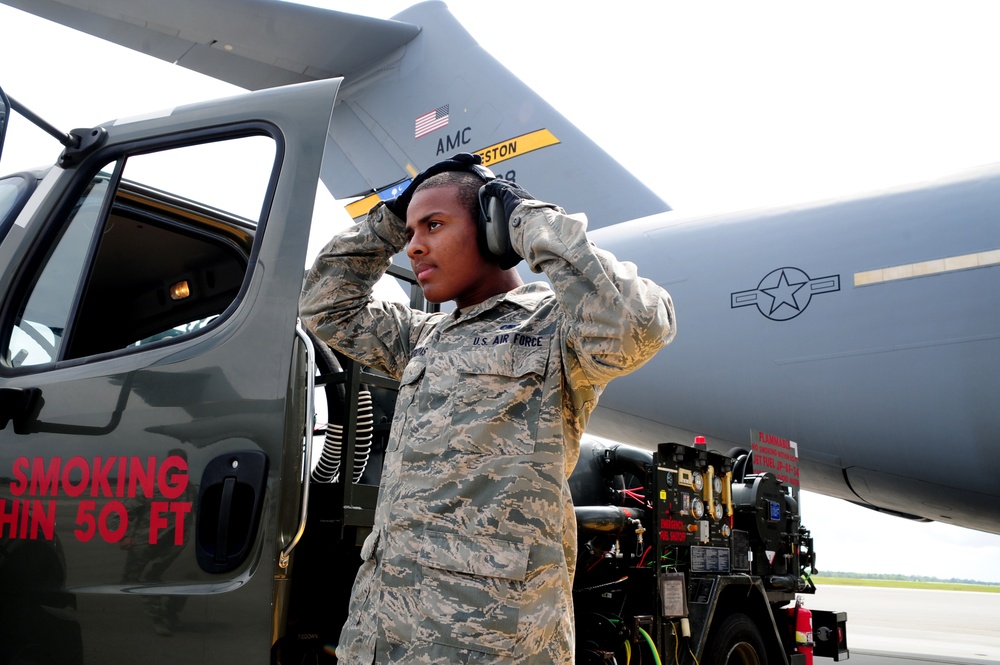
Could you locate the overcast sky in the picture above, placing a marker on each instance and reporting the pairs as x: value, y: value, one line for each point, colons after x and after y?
x: 718, y: 106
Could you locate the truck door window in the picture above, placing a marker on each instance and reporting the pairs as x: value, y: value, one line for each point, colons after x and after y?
x: 14, y: 191
x: 38, y: 333
x: 156, y: 247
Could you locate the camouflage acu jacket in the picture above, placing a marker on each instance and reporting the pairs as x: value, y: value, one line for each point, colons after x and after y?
x: 474, y: 544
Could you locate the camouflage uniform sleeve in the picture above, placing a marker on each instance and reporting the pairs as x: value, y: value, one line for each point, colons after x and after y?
x: 615, y: 320
x: 337, y: 303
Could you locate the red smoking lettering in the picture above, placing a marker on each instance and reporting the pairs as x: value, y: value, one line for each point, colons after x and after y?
x: 20, y: 484
x: 145, y: 477
x: 108, y: 477
x: 120, y: 486
x: 44, y: 480
x: 101, y: 473
x: 67, y: 481
x: 172, y: 485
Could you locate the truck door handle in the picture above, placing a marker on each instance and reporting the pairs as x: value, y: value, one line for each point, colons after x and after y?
x: 229, y: 506
x: 225, y: 514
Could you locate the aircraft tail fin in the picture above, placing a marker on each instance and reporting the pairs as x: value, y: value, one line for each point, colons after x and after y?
x: 417, y: 88
x: 441, y: 94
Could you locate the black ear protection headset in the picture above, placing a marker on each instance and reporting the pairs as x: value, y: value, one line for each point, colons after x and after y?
x: 492, y: 232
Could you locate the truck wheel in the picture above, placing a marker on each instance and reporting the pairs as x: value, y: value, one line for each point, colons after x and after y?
x: 736, y: 642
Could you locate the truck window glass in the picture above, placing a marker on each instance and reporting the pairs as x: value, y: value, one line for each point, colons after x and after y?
x: 229, y: 176
x: 38, y: 333
x: 164, y: 258
x: 13, y: 191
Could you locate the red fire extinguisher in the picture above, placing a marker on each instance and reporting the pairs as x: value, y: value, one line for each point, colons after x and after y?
x: 802, y: 625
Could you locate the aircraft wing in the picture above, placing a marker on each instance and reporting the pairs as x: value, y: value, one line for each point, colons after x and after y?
x: 417, y: 89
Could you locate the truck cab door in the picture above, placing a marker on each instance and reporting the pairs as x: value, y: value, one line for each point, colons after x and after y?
x: 152, y: 382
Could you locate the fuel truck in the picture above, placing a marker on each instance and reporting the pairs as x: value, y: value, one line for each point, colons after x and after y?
x: 187, y: 476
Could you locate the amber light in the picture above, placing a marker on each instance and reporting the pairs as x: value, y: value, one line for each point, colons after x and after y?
x: 180, y: 290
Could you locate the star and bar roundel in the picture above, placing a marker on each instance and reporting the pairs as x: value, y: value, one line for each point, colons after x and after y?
x: 785, y: 293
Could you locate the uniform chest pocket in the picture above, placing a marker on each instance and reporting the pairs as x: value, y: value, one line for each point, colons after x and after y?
x: 471, y: 591
x: 498, y: 399
x: 409, y: 383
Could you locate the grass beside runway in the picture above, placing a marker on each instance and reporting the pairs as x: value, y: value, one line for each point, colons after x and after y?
x: 905, y: 584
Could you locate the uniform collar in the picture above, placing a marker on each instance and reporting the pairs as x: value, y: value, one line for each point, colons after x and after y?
x: 527, y: 296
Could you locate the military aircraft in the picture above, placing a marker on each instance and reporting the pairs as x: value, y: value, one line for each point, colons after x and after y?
x: 864, y: 330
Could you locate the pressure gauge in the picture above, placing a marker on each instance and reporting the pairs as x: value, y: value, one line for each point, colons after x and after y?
x: 699, y: 480
x: 717, y: 485
x: 718, y: 510
x: 725, y: 530
x: 697, y: 508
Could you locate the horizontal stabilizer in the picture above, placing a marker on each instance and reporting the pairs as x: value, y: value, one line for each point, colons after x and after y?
x: 253, y: 44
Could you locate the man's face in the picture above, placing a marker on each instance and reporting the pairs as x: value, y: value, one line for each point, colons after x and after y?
x: 443, y: 251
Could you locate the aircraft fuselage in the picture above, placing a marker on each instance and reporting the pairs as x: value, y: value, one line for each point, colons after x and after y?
x: 865, y: 330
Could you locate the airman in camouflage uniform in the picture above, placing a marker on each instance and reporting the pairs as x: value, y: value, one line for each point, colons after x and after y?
x: 474, y: 543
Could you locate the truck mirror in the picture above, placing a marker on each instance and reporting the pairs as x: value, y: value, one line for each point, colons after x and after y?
x: 4, y: 114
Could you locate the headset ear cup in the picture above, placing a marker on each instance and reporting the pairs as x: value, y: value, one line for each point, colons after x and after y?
x: 482, y: 224
x: 497, y: 230
x: 494, y: 231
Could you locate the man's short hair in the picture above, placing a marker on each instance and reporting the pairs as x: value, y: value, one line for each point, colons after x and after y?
x: 468, y: 185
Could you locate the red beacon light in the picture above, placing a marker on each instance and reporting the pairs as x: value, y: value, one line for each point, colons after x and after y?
x: 699, y: 440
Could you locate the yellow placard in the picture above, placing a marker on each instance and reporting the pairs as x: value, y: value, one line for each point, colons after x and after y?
x: 519, y: 145
x: 494, y: 154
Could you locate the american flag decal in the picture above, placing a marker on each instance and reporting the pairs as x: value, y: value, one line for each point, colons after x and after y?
x: 428, y: 122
